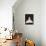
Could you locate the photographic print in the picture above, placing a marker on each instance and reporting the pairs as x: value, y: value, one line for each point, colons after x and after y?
x: 29, y: 19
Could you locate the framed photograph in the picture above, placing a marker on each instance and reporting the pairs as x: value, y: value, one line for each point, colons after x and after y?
x: 29, y: 19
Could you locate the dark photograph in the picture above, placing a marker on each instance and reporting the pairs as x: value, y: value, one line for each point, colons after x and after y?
x: 29, y: 19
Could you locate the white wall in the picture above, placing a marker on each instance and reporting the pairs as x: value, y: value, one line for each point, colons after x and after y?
x: 29, y: 31
x: 6, y: 13
x: 43, y: 22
